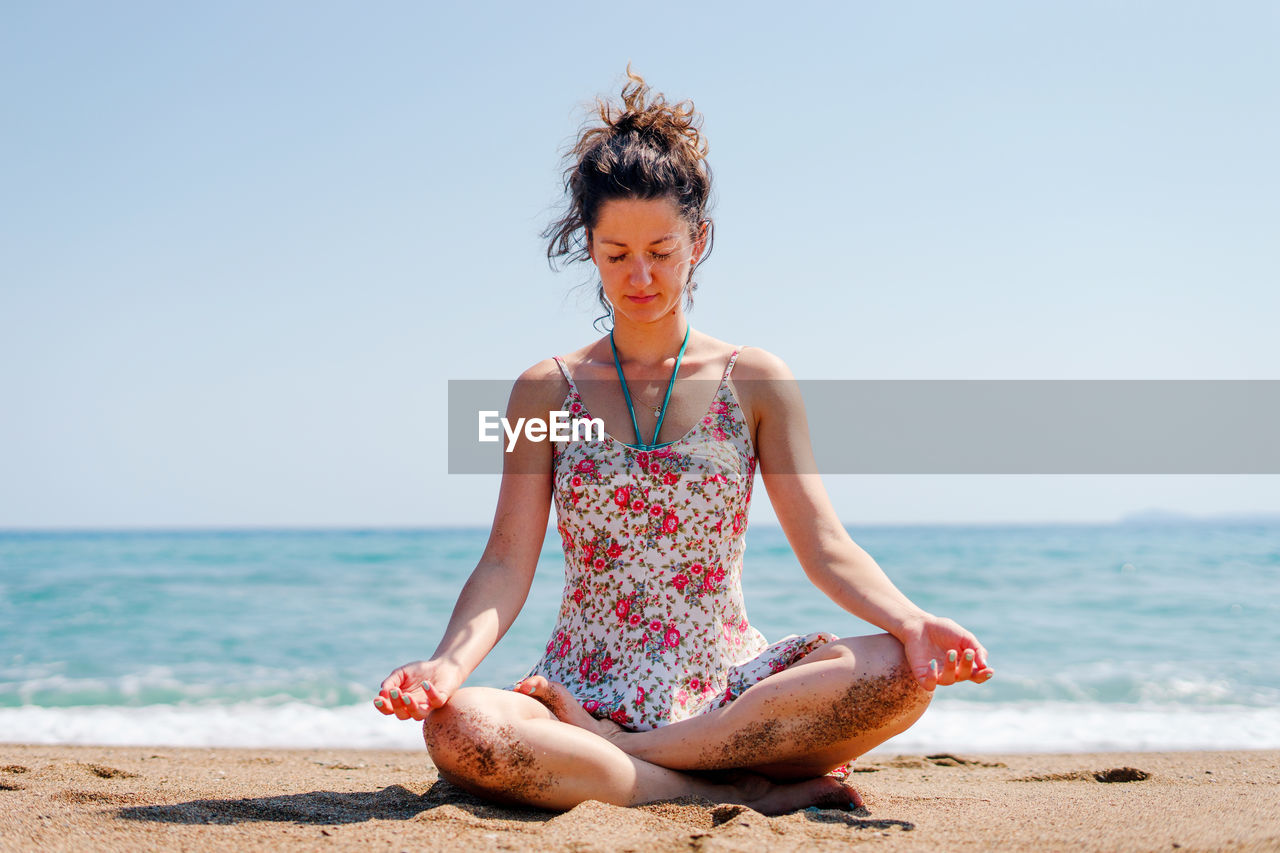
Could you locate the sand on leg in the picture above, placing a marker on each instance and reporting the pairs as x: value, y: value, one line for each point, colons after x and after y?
x: 510, y: 748
x: 828, y: 708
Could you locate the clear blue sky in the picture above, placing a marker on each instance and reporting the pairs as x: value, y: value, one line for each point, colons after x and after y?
x: 243, y: 246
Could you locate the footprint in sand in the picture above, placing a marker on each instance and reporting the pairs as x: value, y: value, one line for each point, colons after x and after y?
x: 104, y: 772
x: 1115, y: 774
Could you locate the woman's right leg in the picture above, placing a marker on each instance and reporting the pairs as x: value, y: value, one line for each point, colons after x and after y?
x: 509, y: 748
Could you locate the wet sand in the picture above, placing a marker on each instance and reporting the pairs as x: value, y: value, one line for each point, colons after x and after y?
x: 131, y: 798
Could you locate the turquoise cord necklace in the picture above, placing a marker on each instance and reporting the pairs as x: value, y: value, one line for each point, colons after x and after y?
x: 660, y: 412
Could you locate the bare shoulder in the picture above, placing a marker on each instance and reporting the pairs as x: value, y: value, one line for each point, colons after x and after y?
x: 541, y: 387
x: 755, y: 363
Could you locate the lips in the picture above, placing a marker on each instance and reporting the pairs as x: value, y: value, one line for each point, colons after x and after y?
x: 641, y: 300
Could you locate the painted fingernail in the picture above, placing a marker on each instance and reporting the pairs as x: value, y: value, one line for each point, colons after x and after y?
x: 426, y: 685
x: 951, y: 656
x: 968, y: 655
x: 378, y: 702
x: 933, y: 663
x: 395, y: 694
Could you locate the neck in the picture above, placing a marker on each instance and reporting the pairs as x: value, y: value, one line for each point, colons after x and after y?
x: 650, y: 344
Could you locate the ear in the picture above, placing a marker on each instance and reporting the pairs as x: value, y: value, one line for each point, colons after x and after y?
x: 591, y: 246
x: 700, y: 241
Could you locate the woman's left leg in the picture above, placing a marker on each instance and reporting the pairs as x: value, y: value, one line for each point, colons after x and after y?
x: 828, y: 708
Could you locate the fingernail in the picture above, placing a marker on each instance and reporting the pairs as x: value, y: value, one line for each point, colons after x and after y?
x: 968, y: 655
x: 378, y: 702
x: 395, y: 694
x: 426, y: 685
x: 951, y: 656
x: 933, y: 663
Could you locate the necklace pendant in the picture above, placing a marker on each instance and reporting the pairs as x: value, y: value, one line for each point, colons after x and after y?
x: 657, y: 411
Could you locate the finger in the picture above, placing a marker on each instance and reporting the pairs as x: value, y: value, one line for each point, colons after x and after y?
x: 928, y: 677
x: 395, y: 679
x: 396, y: 696
x: 383, y: 705
x: 434, y: 697
x: 964, y: 672
x: 947, y: 669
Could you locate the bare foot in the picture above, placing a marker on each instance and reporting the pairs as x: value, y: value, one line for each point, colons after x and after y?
x: 773, y: 798
x: 567, y: 709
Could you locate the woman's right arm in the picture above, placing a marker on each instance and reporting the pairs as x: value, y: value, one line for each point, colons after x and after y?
x: 498, y: 587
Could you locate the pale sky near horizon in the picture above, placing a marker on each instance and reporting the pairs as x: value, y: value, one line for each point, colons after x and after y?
x: 243, y: 247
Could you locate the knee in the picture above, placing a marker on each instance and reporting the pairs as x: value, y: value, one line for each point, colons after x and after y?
x: 881, y: 670
x: 474, y: 745
x: 462, y: 736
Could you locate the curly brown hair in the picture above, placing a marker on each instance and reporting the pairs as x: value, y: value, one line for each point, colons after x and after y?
x: 645, y: 148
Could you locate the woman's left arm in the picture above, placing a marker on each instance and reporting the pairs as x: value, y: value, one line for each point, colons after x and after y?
x: 938, y: 650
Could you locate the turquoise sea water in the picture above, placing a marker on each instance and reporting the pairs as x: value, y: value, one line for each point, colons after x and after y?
x: 1103, y: 636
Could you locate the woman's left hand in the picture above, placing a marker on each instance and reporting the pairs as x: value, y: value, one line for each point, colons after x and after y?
x: 941, y: 652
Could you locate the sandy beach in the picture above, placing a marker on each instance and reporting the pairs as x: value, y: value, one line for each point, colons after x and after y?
x: 132, y: 798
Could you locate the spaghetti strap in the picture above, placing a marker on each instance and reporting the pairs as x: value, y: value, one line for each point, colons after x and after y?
x: 565, y: 370
x: 733, y: 359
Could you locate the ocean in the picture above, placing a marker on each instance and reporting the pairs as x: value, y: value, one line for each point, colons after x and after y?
x: 1157, y: 636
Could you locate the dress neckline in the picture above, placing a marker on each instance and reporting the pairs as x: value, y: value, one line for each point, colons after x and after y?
x: 724, y: 379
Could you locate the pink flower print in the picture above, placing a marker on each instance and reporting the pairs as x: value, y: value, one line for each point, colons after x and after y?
x: 551, y: 644
x: 639, y: 694
x: 576, y: 481
x: 564, y: 649
x: 575, y: 407
x: 606, y: 663
x: 585, y: 666
x: 669, y: 524
x: 738, y: 522
x: 600, y: 563
x: 693, y: 683
x: 682, y: 696
x: 635, y: 619
x: 620, y: 716
x: 594, y: 677
x: 707, y: 420
x: 588, y: 551
x: 720, y: 408
x: 655, y: 510
x: 585, y: 466
x: 637, y: 505
x: 671, y: 639
x: 655, y: 469
x: 655, y: 625
x: 622, y: 608
x: 742, y: 625
x: 577, y: 595
x: 614, y: 550
x: 590, y: 705
x: 696, y: 568
x: 642, y: 459
x: 622, y: 496
x: 679, y: 582
x: 662, y: 453
x: 670, y: 478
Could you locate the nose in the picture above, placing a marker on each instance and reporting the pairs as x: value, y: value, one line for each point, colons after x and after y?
x: 641, y: 271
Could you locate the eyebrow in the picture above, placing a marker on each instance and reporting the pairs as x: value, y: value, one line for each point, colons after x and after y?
x: 661, y: 239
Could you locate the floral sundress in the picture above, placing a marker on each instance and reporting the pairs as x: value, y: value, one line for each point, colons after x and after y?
x: 652, y: 628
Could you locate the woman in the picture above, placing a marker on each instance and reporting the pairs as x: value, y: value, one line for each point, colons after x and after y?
x: 653, y: 684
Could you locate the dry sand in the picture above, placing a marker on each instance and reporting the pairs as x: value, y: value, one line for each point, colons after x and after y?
x: 134, y: 798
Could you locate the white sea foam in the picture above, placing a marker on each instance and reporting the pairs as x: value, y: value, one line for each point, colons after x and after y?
x: 949, y: 726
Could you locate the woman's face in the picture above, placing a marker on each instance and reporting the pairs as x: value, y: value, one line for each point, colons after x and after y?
x: 644, y: 250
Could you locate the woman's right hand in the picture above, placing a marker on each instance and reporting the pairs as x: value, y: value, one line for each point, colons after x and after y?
x: 416, y: 689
